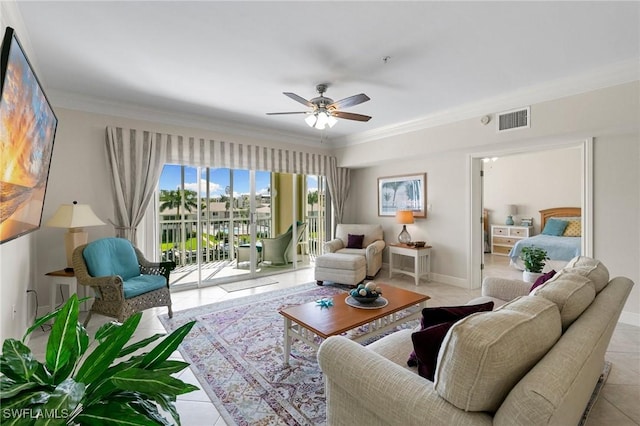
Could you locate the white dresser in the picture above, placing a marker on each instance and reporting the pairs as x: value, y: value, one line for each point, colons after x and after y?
x: 504, y: 237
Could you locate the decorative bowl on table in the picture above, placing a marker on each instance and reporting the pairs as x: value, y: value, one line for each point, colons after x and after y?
x: 419, y: 244
x: 365, y: 294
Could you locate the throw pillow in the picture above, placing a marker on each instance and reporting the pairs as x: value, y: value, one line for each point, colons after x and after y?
x: 355, y: 241
x: 445, y: 314
x: 555, y: 227
x: 427, y: 344
x: 574, y: 229
x: 543, y: 279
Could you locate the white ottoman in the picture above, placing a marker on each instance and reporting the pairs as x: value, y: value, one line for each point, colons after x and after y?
x: 340, y: 268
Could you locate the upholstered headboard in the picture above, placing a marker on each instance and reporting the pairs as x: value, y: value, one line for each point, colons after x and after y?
x: 558, y: 212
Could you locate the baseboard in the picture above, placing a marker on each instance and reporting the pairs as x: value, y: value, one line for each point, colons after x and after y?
x: 630, y: 318
x: 444, y: 279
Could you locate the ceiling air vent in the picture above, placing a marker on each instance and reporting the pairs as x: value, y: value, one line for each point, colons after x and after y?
x: 514, y: 119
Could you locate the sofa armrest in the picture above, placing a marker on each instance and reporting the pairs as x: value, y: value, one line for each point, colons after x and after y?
x: 504, y: 288
x: 375, y: 248
x: 362, y: 384
x: 332, y: 246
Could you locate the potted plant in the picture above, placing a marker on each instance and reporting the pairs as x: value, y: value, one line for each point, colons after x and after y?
x: 73, y: 386
x: 534, y: 260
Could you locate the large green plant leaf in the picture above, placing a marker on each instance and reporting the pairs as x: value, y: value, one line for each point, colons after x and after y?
x: 107, y: 351
x: 147, y: 382
x: 100, y: 388
x: 165, y: 348
x: 17, y: 361
x: 62, y: 337
x: 45, y: 318
x: 61, y: 403
x: 167, y: 403
x: 146, y: 407
x: 113, y: 414
x: 138, y: 345
x: 171, y: 366
x: 10, y: 388
x: 13, y: 409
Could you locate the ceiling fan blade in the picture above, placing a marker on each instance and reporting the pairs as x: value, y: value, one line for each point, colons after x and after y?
x: 284, y: 113
x: 297, y: 98
x: 350, y: 116
x: 349, y: 102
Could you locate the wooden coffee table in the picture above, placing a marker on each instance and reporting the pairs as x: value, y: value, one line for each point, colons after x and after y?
x: 310, y: 321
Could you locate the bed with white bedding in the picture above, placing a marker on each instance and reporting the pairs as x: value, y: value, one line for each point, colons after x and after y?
x: 561, y: 237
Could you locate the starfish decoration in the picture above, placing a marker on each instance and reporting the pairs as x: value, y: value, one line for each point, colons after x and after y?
x: 325, y: 303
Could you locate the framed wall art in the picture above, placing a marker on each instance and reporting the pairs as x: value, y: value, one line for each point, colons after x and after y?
x: 406, y: 192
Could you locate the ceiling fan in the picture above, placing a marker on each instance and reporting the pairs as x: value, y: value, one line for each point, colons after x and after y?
x: 324, y: 110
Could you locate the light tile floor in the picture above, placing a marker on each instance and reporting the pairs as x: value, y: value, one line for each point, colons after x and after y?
x: 618, y: 402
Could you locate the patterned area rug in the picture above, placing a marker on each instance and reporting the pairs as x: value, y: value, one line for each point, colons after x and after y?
x: 236, y: 351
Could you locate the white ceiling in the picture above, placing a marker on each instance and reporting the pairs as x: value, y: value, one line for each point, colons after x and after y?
x: 219, y: 62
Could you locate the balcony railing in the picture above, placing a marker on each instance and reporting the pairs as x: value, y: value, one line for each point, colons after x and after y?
x: 180, y: 238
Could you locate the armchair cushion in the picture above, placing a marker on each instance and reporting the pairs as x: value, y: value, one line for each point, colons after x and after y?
x: 111, y: 256
x: 143, y: 284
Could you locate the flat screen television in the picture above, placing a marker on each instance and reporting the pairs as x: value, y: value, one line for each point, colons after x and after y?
x: 27, y: 131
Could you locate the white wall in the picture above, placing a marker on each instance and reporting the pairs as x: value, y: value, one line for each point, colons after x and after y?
x: 532, y: 181
x: 609, y: 115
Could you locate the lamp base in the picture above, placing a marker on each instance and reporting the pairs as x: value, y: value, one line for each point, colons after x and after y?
x: 73, y: 238
x: 509, y: 221
x: 404, y: 237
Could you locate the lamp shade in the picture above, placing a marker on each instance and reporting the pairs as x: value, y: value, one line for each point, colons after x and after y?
x: 74, y: 216
x: 512, y: 209
x: 404, y: 217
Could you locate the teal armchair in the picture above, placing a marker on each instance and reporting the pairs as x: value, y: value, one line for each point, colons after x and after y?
x: 124, y: 281
x: 279, y: 250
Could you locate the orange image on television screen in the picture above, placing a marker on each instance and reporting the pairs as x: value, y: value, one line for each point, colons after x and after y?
x: 27, y: 132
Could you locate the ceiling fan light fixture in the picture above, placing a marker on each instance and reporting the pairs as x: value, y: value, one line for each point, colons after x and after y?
x: 331, y: 120
x: 311, y: 119
x: 323, y: 120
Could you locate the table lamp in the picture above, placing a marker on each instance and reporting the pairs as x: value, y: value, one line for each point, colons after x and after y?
x: 512, y: 210
x: 74, y: 217
x: 404, y: 217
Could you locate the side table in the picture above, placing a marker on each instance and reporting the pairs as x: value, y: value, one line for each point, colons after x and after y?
x: 421, y: 261
x: 62, y: 277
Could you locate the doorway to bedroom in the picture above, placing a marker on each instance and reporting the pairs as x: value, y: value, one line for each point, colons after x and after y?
x: 508, y: 190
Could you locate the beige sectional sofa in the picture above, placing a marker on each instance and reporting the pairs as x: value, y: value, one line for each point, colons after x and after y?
x: 532, y: 361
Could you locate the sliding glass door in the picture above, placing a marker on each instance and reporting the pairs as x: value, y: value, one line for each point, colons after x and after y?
x: 222, y: 225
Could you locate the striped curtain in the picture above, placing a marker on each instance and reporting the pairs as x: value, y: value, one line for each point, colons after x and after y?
x: 232, y: 155
x: 136, y: 159
x: 339, y: 182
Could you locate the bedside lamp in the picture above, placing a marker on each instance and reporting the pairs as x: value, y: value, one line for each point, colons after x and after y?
x: 512, y: 210
x: 74, y: 217
x: 404, y: 217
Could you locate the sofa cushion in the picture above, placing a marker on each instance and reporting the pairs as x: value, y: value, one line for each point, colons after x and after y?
x: 444, y: 314
x: 143, y: 284
x: 571, y: 292
x: 484, y: 356
x: 111, y: 256
x: 590, y: 268
x: 355, y: 241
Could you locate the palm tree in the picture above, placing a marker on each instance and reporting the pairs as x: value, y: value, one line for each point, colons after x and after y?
x: 312, y: 198
x: 174, y: 199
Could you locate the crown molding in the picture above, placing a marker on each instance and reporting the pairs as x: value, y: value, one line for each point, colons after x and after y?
x: 76, y: 101
x: 612, y: 75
